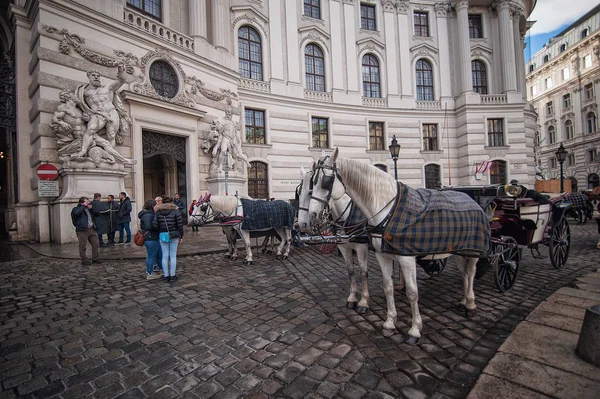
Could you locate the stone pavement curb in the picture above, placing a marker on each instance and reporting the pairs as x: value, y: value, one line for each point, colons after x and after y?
x: 538, y: 359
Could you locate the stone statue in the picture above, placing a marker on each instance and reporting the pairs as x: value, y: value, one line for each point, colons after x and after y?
x: 228, y: 145
x: 93, y: 111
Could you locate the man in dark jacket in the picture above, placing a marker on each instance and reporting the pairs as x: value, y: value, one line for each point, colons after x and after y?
x: 124, y: 218
x: 168, y: 222
x: 101, y: 221
x: 82, y: 217
x: 113, y: 213
x: 181, y: 206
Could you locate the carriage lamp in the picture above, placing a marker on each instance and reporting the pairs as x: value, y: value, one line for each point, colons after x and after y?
x: 395, y: 152
x: 561, y: 155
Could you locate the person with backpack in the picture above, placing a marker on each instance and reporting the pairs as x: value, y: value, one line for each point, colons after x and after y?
x: 169, y: 223
x: 146, y: 215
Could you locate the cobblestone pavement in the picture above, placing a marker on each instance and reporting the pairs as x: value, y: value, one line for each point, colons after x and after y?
x: 273, y: 329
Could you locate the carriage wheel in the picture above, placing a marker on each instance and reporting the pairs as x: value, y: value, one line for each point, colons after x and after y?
x: 326, y: 248
x: 507, y: 266
x: 559, y: 243
x: 435, y: 266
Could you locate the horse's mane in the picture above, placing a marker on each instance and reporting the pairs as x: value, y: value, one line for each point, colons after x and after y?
x: 224, y: 204
x: 368, y: 182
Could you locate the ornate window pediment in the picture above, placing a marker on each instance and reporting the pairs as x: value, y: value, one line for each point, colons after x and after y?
x: 593, y: 107
x: 550, y: 122
x: 568, y: 115
x: 479, y: 50
x: 424, y: 50
x: 314, y: 33
x: 250, y: 14
x: 370, y: 44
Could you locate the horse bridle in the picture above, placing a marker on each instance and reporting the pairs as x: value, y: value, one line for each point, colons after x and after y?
x: 327, y: 182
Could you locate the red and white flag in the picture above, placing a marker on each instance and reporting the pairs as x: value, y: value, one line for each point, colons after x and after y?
x: 482, y: 167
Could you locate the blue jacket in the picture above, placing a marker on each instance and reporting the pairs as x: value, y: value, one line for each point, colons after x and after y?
x: 80, y: 219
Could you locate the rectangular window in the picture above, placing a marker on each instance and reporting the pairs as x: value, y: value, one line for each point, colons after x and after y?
x: 376, y: 136
x: 148, y: 7
x: 421, y: 24
x: 589, y: 91
x: 255, y: 126
x: 553, y: 163
x: 312, y: 8
x: 319, y: 133
x: 566, y: 74
x: 569, y: 129
x: 533, y: 91
x: 430, y: 134
x: 367, y: 17
x: 567, y: 101
x: 549, y: 108
x: 591, y: 155
x: 587, y: 61
x: 475, y: 26
x: 495, y: 133
x: 571, y: 159
x: 549, y: 83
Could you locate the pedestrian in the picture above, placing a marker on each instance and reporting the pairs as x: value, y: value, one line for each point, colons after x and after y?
x: 82, y: 217
x: 167, y: 220
x: 195, y: 226
x: 181, y: 206
x: 113, y: 214
x: 101, y: 221
x: 124, y: 218
x: 158, y: 200
x: 146, y: 215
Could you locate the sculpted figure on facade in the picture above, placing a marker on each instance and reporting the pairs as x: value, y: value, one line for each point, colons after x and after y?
x: 89, y: 122
x: 225, y: 142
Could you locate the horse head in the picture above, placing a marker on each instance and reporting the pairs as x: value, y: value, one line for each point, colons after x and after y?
x: 303, y: 193
x: 327, y: 186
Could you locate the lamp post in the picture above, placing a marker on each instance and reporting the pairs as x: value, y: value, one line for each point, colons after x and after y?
x: 395, y: 151
x: 561, y: 155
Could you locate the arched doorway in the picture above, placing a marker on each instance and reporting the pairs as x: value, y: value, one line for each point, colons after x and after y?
x: 593, y: 181
x: 164, y: 165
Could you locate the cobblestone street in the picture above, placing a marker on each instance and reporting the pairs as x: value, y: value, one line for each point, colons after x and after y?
x: 273, y: 329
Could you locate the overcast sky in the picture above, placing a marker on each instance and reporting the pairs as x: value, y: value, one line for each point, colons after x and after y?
x: 551, y: 17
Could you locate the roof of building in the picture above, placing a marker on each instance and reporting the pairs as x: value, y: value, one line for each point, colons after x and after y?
x: 586, y: 16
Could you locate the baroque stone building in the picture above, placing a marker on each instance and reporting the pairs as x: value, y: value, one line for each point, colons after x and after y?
x: 165, y: 96
x: 563, y: 81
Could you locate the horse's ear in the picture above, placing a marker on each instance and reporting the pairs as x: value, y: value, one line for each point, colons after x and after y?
x: 302, y: 171
x: 201, y: 199
x: 208, y: 197
x: 335, y: 154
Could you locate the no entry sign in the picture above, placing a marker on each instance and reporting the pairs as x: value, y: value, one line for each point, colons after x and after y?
x: 47, y: 172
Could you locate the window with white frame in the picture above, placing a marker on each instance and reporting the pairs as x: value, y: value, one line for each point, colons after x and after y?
x: 590, y: 121
x: 255, y: 126
x: 533, y: 90
x: 421, y: 21
x: 587, y: 61
x: 479, y: 76
x: 148, y: 7
x: 376, y: 136
x: 424, y: 77
x: 552, y: 163
x: 475, y: 26
x: 551, y: 135
x: 495, y: 132
x: 250, y: 53
x: 319, y: 132
x: 430, y: 137
x: 569, y: 130
x: 549, y: 83
x: 370, y: 75
x: 591, y: 155
x: 588, y: 91
x: 312, y: 8
x: 549, y: 108
x: 367, y: 17
x: 571, y: 160
x: 566, y: 74
x: 566, y: 101
x: 314, y: 62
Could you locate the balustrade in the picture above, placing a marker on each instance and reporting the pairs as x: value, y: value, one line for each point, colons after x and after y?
x: 157, y: 29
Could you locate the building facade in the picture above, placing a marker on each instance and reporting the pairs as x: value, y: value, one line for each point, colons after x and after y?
x: 563, y: 80
x: 295, y: 77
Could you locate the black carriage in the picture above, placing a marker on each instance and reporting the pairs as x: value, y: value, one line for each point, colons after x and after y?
x: 517, y: 221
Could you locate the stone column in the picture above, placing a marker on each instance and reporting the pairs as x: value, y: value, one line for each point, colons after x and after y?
x: 404, y: 24
x: 464, y: 45
x: 517, y: 12
x: 441, y: 13
x: 353, y: 74
x: 337, y: 54
x: 276, y: 42
x: 507, y: 47
x: 391, y: 55
x: 198, y: 19
x: 221, y: 26
x: 291, y: 33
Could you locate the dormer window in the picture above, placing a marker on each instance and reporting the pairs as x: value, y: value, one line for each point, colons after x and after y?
x: 546, y: 58
x: 531, y: 68
x: 563, y: 47
x: 585, y: 32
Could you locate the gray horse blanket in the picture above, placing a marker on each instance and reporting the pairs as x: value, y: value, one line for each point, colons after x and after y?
x: 260, y: 215
x: 426, y: 221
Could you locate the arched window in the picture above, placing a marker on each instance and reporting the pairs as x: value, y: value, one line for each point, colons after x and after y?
x: 315, y: 68
x: 573, y: 184
x: 433, y: 176
x: 569, y: 132
x: 381, y: 167
x: 563, y: 47
x: 531, y: 67
x: 593, y: 181
x: 371, y: 80
x: 498, y: 172
x: 258, y: 180
x: 551, y: 135
x: 546, y: 58
x: 479, y: 77
x: 590, y: 120
x: 585, y: 32
x: 424, y: 77
x: 250, y: 53
x: 164, y: 79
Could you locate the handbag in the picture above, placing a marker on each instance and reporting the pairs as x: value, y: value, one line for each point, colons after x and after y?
x: 167, y: 236
x: 139, y: 238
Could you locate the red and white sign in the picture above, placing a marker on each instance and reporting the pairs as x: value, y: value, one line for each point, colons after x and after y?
x: 47, y: 172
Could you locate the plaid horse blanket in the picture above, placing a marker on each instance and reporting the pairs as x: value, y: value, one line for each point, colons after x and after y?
x: 355, y: 217
x: 579, y: 200
x: 429, y: 221
x: 261, y: 215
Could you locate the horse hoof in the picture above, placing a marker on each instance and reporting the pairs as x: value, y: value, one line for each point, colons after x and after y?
x: 362, y: 309
x: 227, y: 256
x: 388, y: 333
x: 470, y: 312
x: 284, y: 257
x: 412, y: 341
x: 351, y: 305
x: 278, y: 257
x: 250, y: 262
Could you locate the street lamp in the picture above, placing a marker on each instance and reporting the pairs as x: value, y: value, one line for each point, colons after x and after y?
x: 395, y: 151
x: 561, y: 156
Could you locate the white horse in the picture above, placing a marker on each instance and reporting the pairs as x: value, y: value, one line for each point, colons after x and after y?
x: 340, y: 210
x: 374, y: 192
x: 219, y: 207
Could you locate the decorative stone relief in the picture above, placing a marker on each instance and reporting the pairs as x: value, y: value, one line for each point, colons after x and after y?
x: 458, y: 4
x: 597, y: 52
x: 550, y: 122
x: 250, y: 18
x: 197, y: 86
x: 441, y: 9
x: 575, y: 64
x: 156, y: 143
x: 516, y: 12
x: 389, y: 6
x: 568, y: 115
x: 590, y: 107
x: 371, y: 46
x: 402, y: 6
x: 351, y: 2
x: 315, y: 37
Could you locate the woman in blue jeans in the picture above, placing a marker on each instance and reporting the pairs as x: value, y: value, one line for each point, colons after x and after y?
x: 146, y: 216
x: 169, y: 223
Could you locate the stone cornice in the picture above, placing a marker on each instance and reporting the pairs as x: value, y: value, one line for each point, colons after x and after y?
x: 441, y: 10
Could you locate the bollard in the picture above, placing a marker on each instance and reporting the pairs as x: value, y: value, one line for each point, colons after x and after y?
x: 588, y: 346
